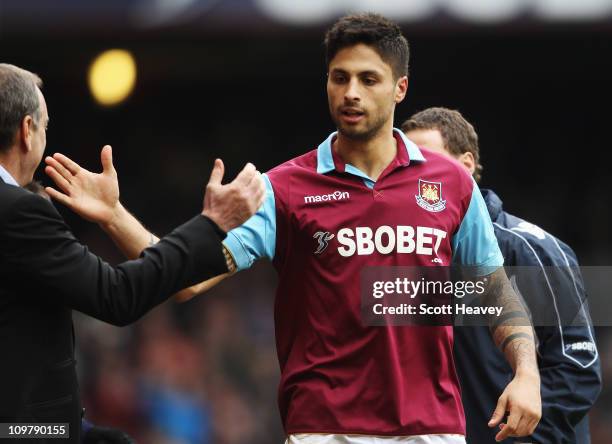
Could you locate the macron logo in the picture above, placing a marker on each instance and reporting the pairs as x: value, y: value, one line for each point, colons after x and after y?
x: 336, y: 195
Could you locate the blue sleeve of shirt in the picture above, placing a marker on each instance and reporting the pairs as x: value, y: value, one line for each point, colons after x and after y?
x: 474, y: 244
x: 256, y: 238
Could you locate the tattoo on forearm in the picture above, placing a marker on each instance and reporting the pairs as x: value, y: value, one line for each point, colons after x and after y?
x: 512, y: 337
x: 518, y: 318
x: 501, y: 294
x: 512, y: 332
x: 522, y: 352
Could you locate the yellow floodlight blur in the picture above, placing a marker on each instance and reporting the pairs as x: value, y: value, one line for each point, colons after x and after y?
x: 112, y: 76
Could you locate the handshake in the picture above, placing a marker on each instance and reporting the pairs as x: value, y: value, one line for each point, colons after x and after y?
x: 95, y: 197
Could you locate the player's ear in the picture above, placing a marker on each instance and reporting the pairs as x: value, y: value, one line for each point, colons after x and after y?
x: 401, y: 88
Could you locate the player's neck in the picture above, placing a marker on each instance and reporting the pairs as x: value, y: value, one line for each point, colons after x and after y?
x: 370, y: 156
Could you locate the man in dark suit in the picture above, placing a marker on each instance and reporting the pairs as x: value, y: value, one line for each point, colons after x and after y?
x: 45, y: 273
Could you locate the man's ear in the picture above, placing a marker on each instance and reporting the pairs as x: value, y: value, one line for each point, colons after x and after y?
x: 401, y: 88
x: 467, y: 159
x: 24, y: 135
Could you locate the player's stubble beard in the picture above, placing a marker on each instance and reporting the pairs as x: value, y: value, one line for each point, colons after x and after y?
x: 365, y: 134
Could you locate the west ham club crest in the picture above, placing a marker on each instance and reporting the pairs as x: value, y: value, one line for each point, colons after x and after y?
x: 430, y: 196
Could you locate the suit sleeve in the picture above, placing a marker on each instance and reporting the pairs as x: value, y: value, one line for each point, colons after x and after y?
x: 569, y: 364
x: 38, y: 247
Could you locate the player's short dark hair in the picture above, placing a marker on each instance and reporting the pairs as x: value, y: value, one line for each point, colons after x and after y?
x: 18, y: 99
x: 458, y: 134
x: 374, y: 30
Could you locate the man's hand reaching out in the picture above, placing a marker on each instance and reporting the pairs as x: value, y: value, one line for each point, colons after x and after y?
x: 93, y: 196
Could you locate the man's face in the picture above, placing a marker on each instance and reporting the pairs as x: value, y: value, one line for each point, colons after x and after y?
x: 362, y: 92
x: 39, y: 135
x: 430, y: 139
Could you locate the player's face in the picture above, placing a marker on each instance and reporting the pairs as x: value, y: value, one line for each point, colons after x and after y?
x: 362, y: 92
x: 430, y: 139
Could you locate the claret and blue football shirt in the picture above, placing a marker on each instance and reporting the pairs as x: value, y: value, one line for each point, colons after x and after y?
x: 322, y: 222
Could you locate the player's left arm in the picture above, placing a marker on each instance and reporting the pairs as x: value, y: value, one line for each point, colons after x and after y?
x: 475, y: 247
x: 513, y: 334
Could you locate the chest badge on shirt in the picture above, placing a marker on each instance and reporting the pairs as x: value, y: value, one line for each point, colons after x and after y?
x: 430, y: 196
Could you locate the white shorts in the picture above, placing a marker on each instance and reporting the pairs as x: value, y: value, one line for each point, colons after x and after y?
x: 314, y: 438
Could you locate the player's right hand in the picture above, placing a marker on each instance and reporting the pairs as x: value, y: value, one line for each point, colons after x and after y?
x: 93, y: 196
x: 229, y: 206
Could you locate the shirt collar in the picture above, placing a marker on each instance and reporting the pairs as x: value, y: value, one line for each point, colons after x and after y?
x: 6, y: 177
x: 325, y: 158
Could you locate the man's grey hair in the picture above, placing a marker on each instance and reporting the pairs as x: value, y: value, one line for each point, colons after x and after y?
x: 18, y: 99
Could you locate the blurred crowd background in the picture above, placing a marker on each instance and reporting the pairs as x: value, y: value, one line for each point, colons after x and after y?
x: 244, y: 80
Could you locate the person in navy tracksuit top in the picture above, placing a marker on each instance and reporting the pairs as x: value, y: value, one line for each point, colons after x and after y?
x: 552, y: 288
